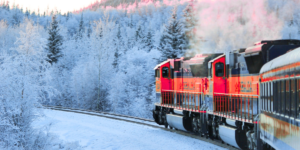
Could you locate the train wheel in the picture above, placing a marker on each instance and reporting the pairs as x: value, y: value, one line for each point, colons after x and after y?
x: 253, y: 141
x: 166, y: 123
x: 249, y: 140
x: 194, y: 125
x: 160, y: 119
x: 164, y: 118
x: 215, y: 128
x: 199, y: 125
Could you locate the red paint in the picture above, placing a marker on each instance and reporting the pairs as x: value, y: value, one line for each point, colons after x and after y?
x: 219, y: 81
x: 165, y: 82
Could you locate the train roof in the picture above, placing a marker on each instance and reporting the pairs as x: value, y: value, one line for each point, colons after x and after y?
x: 258, y: 46
x: 160, y: 64
x: 290, y: 57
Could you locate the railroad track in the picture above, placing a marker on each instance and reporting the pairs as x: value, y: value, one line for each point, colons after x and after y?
x: 136, y: 120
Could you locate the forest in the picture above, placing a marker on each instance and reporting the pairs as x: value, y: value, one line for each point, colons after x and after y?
x: 103, y: 58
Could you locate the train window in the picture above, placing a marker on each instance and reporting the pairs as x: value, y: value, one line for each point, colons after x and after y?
x: 262, y: 96
x: 157, y: 73
x: 293, y: 98
x: 271, y: 97
x: 287, y: 98
x: 275, y: 96
x: 219, y: 68
x: 298, y: 98
x: 165, y: 72
x: 266, y: 96
x: 282, y: 96
x: 278, y: 96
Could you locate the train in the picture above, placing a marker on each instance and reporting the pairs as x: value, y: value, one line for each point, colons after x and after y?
x: 248, y: 98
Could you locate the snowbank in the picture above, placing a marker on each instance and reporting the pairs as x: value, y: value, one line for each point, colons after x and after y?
x: 94, y: 132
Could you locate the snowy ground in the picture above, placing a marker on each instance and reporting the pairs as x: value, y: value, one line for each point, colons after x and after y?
x: 94, y: 132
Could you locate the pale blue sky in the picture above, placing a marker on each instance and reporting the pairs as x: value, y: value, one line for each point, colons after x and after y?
x: 63, y: 5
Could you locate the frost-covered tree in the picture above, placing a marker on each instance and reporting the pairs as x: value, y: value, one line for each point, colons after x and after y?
x: 131, y: 85
x: 89, y: 30
x: 149, y: 41
x: 118, y: 45
x: 25, y: 85
x: 189, y: 23
x: 80, y: 28
x: 173, y: 39
x: 17, y: 17
x: 54, y: 42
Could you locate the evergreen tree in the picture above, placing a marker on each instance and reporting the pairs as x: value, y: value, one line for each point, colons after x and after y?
x: 7, y: 6
x: 140, y: 37
x: 54, y: 42
x: 27, y: 13
x: 89, y: 30
x: 17, y: 17
x: 67, y: 16
x: 173, y: 40
x: 190, y: 22
x: 138, y: 33
x: 149, y: 41
x: 81, y: 28
x: 117, y: 54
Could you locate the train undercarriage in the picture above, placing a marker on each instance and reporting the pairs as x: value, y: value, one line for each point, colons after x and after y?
x: 236, y: 133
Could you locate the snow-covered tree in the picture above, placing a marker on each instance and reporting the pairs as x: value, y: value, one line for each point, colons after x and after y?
x: 149, y: 42
x: 81, y: 29
x: 25, y: 85
x: 173, y: 39
x: 189, y: 25
x: 54, y: 42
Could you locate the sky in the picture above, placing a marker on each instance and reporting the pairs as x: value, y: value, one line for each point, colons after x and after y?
x: 63, y: 5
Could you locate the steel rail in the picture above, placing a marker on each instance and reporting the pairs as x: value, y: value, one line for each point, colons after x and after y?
x: 111, y: 116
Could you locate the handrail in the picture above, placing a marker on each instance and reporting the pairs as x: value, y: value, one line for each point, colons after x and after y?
x: 235, y: 94
x: 181, y: 91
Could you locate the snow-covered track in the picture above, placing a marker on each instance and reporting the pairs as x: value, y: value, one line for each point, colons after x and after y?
x: 136, y: 120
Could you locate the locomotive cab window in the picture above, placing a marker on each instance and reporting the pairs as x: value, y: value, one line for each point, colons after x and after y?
x: 165, y: 72
x: 157, y: 73
x: 219, y: 69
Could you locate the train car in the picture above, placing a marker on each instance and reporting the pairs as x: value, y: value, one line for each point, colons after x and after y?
x: 280, y: 103
x: 217, y: 95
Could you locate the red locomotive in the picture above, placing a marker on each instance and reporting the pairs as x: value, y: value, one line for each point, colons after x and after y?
x: 248, y: 98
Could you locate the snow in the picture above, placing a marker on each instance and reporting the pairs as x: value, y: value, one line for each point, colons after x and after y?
x: 93, y: 132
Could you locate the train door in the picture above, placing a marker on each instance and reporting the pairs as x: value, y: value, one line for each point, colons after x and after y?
x: 219, y: 84
x: 166, y: 84
x: 165, y: 77
x: 218, y: 74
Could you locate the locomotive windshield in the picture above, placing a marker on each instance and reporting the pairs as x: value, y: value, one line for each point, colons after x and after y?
x: 165, y: 72
x: 219, y: 69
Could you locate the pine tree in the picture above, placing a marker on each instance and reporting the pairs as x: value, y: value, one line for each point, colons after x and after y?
x: 81, y: 28
x: 190, y: 22
x: 27, y: 13
x: 149, y: 41
x: 17, y: 17
x: 89, y: 30
x: 54, y: 42
x: 138, y: 33
x: 117, y: 54
x: 140, y: 38
x: 173, y: 40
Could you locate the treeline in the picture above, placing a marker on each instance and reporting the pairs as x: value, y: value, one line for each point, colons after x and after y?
x: 99, y: 60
